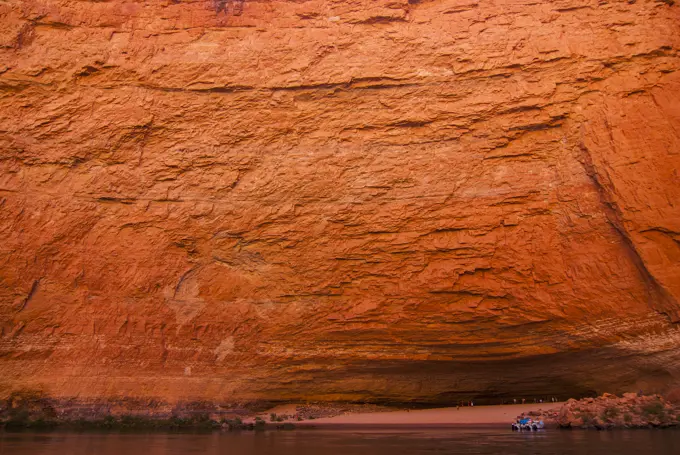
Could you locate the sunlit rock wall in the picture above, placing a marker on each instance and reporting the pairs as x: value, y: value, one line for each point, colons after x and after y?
x: 339, y: 200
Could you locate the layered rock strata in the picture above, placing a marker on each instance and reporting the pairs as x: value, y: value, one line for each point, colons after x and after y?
x: 387, y: 201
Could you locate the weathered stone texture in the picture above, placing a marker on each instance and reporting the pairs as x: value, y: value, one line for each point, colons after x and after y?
x: 342, y: 200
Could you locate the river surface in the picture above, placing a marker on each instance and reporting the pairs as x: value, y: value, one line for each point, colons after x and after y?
x: 346, y: 441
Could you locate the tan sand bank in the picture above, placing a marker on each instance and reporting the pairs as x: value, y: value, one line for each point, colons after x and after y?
x: 440, y: 416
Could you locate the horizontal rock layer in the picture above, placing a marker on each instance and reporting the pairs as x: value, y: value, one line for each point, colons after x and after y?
x: 339, y: 200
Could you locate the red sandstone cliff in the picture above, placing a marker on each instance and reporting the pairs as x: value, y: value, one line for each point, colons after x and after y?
x: 326, y: 199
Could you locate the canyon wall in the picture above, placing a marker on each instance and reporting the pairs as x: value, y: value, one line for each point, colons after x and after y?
x: 383, y: 200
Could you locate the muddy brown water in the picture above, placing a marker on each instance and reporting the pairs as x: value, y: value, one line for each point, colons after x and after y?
x: 376, y: 441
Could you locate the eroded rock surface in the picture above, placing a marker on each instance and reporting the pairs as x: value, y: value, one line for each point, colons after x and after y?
x: 339, y: 200
x: 610, y: 411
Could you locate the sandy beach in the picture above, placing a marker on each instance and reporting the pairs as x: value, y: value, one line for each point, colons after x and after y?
x: 501, y: 414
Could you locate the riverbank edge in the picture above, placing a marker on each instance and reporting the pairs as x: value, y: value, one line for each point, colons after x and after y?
x: 35, y: 411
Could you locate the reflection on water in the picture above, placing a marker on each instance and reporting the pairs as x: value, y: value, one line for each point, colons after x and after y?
x: 346, y: 441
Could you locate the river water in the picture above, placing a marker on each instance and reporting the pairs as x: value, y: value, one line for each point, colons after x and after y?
x: 459, y: 440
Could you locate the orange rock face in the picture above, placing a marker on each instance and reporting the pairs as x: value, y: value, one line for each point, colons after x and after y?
x: 383, y: 200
